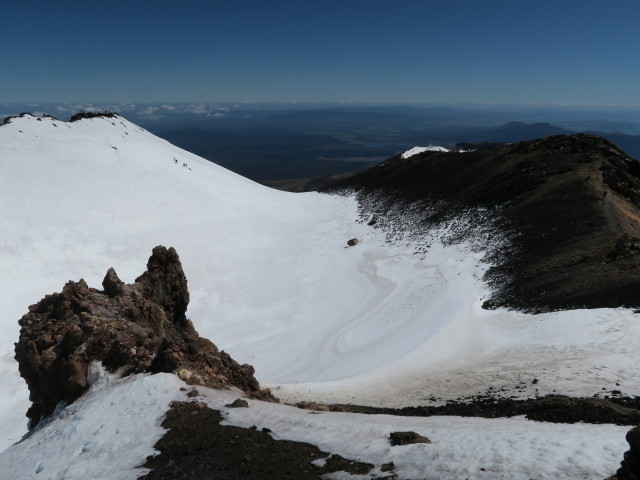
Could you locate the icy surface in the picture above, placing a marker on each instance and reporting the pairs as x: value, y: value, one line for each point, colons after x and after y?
x: 106, y: 434
x: 273, y: 283
x: 416, y: 150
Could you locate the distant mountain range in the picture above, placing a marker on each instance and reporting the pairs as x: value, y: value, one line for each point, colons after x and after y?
x: 297, y: 144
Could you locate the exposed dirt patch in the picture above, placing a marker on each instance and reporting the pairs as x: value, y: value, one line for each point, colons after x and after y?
x: 198, y: 447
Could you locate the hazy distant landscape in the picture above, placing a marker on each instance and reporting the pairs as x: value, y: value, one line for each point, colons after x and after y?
x: 276, y: 141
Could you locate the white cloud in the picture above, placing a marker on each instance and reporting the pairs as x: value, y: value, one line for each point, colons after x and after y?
x: 149, y: 110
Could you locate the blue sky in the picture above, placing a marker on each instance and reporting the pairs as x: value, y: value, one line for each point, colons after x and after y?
x: 456, y: 51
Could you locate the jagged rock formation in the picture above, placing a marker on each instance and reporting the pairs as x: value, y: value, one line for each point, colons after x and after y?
x: 137, y: 328
x: 569, y: 204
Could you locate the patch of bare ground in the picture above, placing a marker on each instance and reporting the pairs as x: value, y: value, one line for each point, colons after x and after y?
x: 196, y: 446
x: 551, y: 408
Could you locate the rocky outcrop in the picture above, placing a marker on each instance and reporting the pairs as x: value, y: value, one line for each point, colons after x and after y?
x: 134, y: 328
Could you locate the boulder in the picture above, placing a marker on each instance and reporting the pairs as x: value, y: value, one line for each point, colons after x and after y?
x: 238, y: 403
x: 134, y: 328
x: 407, y: 438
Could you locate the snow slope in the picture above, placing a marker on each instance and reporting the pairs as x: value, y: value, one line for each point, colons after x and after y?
x: 121, y: 420
x: 104, y: 435
x: 271, y: 281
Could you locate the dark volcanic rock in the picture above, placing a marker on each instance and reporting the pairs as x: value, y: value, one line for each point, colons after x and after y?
x: 407, y: 438
x: 134, y: 328
x: 569, y: 206
x: 238, y: 403
x: 560, y: 408
x: 81, y: 115
x: 164, y: 284
x: 198, y: 447
x: 630, y: 465
x: 551, y: 408
x: 337, y: 463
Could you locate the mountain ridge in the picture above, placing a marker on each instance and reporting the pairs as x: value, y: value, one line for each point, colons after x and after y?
x: 567, y: 200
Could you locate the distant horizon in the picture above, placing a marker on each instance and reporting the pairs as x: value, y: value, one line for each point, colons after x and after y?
x: 455, y: 53
x: 198, y: 106
x: 621, y: 118
x: 94, y: 103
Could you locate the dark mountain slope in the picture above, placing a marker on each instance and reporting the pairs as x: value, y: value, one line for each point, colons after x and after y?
x: 629, y: 143
x: 570, y: 203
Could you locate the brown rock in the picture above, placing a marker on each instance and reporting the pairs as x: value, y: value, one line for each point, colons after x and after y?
x: 112, y: 284
x: 407, y: 438
x: 165, y: 284
x: 135, y: 328
x: 238, y: 403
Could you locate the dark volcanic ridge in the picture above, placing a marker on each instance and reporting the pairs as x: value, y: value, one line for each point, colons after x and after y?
x: 559, y: 216
x: 129, y: 329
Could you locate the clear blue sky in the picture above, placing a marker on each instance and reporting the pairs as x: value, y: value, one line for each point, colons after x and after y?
x: 451, y: 51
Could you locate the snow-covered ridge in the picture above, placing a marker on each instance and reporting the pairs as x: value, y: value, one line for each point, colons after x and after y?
x: 416, y: 150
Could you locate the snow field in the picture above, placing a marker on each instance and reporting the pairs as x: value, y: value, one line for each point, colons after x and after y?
x: 110, y: 431
x: 273, y: 284
x: 105, y: 434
